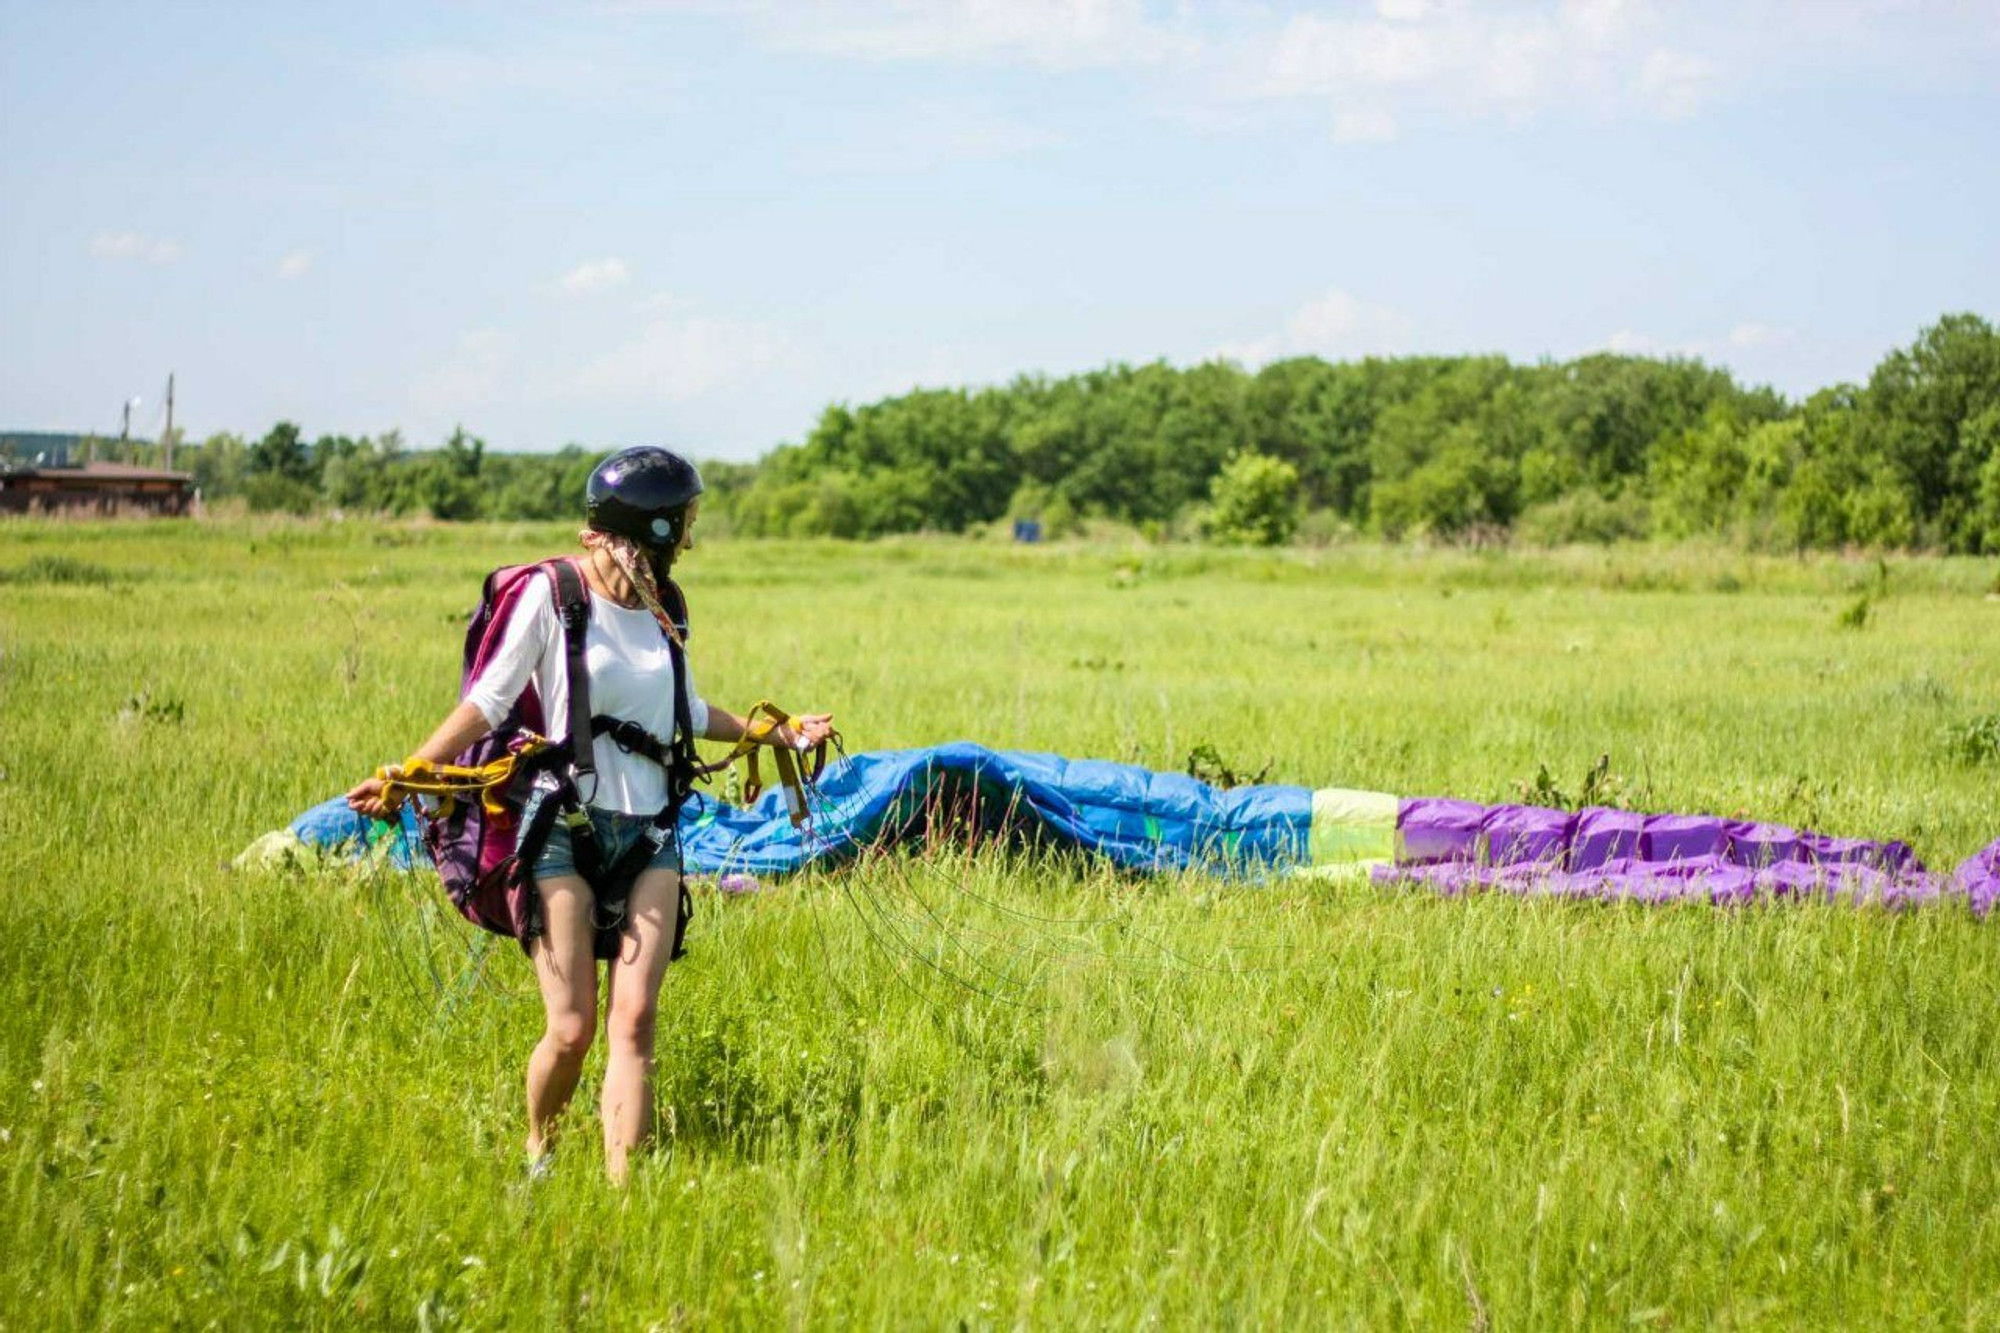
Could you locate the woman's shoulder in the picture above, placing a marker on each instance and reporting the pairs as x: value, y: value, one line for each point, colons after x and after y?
x: 530, y: 594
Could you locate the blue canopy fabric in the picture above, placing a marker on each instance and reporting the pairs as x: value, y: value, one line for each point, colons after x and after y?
x: 1133, y: 817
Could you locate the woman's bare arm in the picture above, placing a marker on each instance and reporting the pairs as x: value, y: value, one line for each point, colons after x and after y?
x: 803, y: 732
x: 461, y: 728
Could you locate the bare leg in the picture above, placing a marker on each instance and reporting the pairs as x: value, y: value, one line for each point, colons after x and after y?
x: 633, y: 999
x: 568, y: 977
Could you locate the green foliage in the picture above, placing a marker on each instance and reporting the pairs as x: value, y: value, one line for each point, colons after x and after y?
x: 1598, y: 786
x: 145, y: 708
x: 1982, y: 521
x: 1206, y: 764
x: 218, y: 465
x: 275, y: 493
x: 61, y: 569
x: 1454, y: 493
x: 1584, y: 516
x: 282, y: 453
x: 1254, y: 501
x: 1975, y: 741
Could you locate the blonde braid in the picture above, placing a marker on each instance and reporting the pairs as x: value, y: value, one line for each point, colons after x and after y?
x: 638, y: 567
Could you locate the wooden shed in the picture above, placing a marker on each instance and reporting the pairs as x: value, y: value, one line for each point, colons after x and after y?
x: 96, y: 488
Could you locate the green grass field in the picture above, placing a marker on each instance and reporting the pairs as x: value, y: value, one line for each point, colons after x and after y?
x: 292, y: 1097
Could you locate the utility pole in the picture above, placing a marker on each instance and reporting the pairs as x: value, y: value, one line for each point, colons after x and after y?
x: 124, y: 431
x: 167, y: 436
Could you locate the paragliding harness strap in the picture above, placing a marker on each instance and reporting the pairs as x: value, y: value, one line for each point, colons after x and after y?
x: 611, y: 885
x: 758, y: 724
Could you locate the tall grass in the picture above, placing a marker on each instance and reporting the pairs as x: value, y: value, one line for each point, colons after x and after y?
x: 987, y: 1089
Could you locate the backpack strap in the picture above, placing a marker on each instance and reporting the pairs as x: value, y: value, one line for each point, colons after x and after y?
x: 681, y: 771
x: 675, y: 603
x: 573, y: 609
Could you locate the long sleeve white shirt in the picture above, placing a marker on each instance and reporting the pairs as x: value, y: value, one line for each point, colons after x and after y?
x: 631, y: 677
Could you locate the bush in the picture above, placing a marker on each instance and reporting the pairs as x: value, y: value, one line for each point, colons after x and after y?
x: 1254, y: 502
x: 1584, y: 516
x: 1324, y: 527
x: 274, y: 493
x: 1460, y: 491
x: 1976, y: 741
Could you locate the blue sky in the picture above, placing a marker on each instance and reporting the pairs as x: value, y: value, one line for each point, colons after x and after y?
x: 696, y: 224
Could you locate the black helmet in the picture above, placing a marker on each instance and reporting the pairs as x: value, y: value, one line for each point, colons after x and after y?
x: 644, y: 494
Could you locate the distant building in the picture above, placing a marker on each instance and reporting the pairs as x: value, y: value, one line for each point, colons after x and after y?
x: 95, y: 489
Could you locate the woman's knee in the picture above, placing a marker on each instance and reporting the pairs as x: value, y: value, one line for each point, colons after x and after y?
x: 632, y: 1027
x: 569, y: 1034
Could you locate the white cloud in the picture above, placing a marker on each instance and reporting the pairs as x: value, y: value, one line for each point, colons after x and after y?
x: 1336, y: 325
x: 1374, y: 62
x: 1746, y: 337
x: 135, y: 245
x: 678, y: 357
x: 575, y: 73
x: 1048, y: 34
x: 1402, y: 11
x: 598, y: 275
x: 1758, y: 335
x: 1463, y: 58
x: 929, y: 136
x: 1601, y: 21
x: 295, y: 265
x: 469, y: 380
x: 661, y: 303
x: 1327, y: 56
x: 1676, y: 84
x: 1519, y: 59
x: 1365, y: 126
x: 1339, y: 323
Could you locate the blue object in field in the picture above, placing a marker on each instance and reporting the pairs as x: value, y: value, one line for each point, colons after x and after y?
x: 330, y: 826
x: 1027, y: 529
x: 1134, y: 817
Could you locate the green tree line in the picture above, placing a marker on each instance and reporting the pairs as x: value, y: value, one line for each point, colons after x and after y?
x: 1597, y: 448
x: 284, y: 472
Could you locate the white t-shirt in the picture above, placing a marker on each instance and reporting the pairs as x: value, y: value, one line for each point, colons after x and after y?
x: 631, y: 677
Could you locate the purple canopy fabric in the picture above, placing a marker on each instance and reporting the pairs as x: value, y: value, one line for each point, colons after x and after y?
x: 1979, y: 878
x: 1455, y: 847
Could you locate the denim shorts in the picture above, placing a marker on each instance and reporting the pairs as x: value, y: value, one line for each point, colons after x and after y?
x: 615, y: 833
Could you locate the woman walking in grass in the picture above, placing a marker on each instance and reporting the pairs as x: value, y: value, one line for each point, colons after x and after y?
x: 589, y: 889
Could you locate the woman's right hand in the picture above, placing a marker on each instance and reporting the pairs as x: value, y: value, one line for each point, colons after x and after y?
x: 367, y: 797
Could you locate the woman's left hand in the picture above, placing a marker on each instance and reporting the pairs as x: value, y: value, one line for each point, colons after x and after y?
x: 809, y: 729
